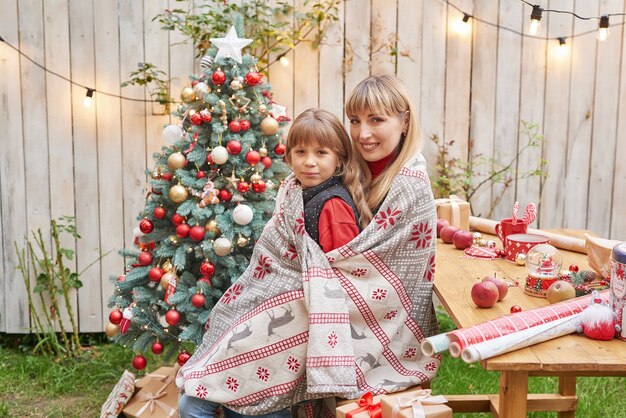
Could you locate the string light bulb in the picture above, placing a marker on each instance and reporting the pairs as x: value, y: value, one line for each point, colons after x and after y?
x: 88, y: 97
x: 535, y: 20
x: 562, y: 48
x: 603, y: 28
x: 283, y: 59
x: 462, y: 27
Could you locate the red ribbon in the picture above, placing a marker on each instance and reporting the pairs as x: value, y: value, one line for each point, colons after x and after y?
x: 366, y: 404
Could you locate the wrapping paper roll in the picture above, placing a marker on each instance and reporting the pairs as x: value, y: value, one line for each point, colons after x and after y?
x: 435, y: 344
x: 521, y: 339
x: 564, y: 242
x: 514, y: 323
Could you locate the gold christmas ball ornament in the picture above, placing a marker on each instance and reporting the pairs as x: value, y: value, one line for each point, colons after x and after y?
x: 255, y: 178
x: 477, y: 236
x: 211, y: 227
x: 175, y: 161
x: 482, y: 242
x: 269, y: 126
x: 242, y: 241
x: 167, y: 266
x: 156, y: 173
x: 237, y: 83
x: 111, y: 330
x: 222, y: 246
x: 167, y: 278
x: 263, y: 152
x: 201, y: 89
x: 187, y: 95
x: 178, y: 193
x: 520, y: 259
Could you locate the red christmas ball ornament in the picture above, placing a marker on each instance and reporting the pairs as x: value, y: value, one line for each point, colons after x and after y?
x: 159, y: 212
x: 253, y: 78
x: 139, y: 362
x: 121, y: 278
x: 182, y: 230
x: 196, y: 233
x: 234, y: 126
x: 266, y: 161
x: 218, y: 78
x: 198, y: 300
x: 244, y: 124
x: 259, y: 186
x: 243, y: 186
x: 265, y: 93
x: 194, y: 82
x: 200, y: 174
x: 207, y: 268
x: 196, y: 119
x: 145, y: 258
x: 172, y: 317
x: 573, y: 268
x: 225, y: 195
x: 177, y: 219
x: 205, y: 280
x: 183, y: 357
x: 115, y: 317
x: 155, y: 274
x: 146, y: 226
x: 157, y: 348
x: 253, y: 157
x: 515, y: 309
x: 233, y: 147
x: 280, y: 149
x: 206, y: 116
x: 167, y: 176
x: 209, y: 159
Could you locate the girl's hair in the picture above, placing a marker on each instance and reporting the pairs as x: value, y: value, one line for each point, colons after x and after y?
x: 321, y: 126
x: 386, y: 94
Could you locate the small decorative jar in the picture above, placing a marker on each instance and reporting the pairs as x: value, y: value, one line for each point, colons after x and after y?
x: 543, y: 263
x: 618, y: 286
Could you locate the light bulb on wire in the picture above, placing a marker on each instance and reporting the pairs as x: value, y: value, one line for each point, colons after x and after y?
x: 283, y: 59
x: 603, y: 28
x: 535, y: 20
x: 88, y: 98
x: 562, y: 49
x: 462, y: 27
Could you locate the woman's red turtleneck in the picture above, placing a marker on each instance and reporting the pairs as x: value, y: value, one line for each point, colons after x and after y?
x: 377, y: 167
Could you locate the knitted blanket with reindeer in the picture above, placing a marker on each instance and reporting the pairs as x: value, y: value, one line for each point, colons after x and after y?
x: 300, y: 324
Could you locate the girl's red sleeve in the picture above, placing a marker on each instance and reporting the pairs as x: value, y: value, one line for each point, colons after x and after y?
x: 337, y: 224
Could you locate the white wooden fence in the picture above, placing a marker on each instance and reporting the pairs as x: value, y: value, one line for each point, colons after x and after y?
x: 59, y: 158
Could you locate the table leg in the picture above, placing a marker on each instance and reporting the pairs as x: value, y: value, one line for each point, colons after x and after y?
x: 513, y: 394
x: 567, y: 386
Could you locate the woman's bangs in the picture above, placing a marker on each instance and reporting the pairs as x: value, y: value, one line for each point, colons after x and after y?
x: 370, y: 97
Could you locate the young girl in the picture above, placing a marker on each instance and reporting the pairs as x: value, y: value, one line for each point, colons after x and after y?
x: 320, y: 155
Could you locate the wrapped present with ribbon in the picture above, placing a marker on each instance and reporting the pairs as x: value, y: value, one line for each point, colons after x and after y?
x: 119, y: 396
x: 156, y: 399
x: 160, y: 374
x: 454, y: 210
x: 415, y: 404
x: 367, y: 406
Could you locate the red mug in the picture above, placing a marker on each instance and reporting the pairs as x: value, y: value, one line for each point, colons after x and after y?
x: 506, y: 228
x: 521, y: 244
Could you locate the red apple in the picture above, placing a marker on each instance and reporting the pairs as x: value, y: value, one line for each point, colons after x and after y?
x: 462, y: 239
x: 440, y: 224
x: 503, y: 288
x: 484, y: 294
x: 447, y: 232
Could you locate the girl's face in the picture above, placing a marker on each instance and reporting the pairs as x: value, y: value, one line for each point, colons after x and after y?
x: 313, y: 164
x: 376, y: 135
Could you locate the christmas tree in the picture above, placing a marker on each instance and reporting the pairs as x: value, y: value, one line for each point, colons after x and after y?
x: 213, y: 190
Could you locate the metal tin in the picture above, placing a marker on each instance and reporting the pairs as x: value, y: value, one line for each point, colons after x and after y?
x: 618, y: 286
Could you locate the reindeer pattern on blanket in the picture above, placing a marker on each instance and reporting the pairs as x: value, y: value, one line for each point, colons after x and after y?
x: 300, y: 324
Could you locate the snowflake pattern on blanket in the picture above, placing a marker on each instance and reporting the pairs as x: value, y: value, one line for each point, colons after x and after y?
x: 300, y: 324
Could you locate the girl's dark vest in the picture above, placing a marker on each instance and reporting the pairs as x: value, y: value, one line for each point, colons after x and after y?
x: 316, y: 197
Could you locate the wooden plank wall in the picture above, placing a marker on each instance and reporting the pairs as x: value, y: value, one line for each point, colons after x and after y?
x: 59, y: 158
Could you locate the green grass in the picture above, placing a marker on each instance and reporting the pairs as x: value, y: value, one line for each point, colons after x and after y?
x: 602, y: 397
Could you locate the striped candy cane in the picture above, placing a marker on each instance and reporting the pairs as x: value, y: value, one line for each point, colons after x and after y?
x: 515, y: 210
x: 529, y: 214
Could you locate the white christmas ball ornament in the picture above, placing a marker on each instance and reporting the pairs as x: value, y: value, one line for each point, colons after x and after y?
x: 219, y: 155
x: 243, y: 214
x: 127, y: 313
x: 171, y: 134
x: 202, y: 88
x: 222, y: 246
x: 206, y: 62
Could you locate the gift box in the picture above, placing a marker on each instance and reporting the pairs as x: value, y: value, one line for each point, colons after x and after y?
x: 367, y: 406
x: 157, y: 398
x: 159, y: 374
x: 454, y: 210
x: 414, y: 404
x: 119, y: 396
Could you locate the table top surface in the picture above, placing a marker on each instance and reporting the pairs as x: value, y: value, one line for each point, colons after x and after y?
x: 573, y: 353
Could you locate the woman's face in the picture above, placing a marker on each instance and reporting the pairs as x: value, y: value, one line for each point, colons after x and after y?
x: 376, y: 135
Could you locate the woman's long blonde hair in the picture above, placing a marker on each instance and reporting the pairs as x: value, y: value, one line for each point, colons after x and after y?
x: 318, y: 125
x: 386, y: 94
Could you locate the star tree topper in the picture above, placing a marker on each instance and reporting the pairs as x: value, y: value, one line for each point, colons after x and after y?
x: 230, y: 46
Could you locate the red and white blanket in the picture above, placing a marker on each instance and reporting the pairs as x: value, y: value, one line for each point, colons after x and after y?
x: 300, y: 324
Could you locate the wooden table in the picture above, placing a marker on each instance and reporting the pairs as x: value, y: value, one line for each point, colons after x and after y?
x: 566, y: 357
